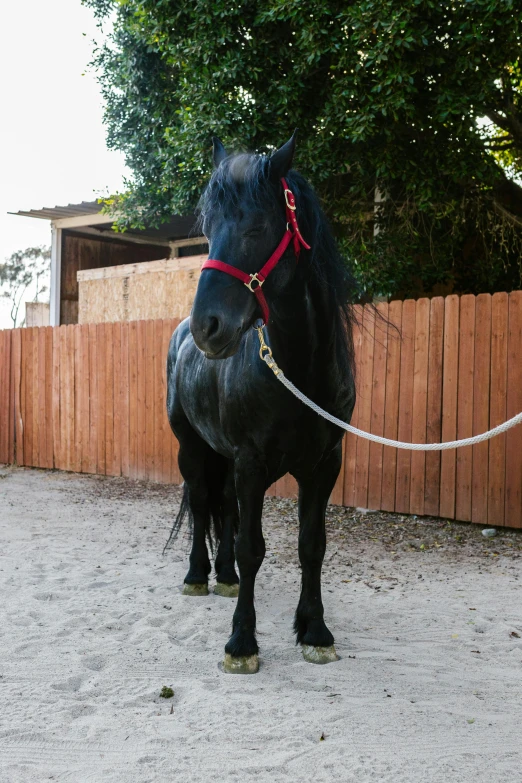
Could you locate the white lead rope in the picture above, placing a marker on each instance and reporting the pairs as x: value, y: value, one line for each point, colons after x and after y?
x: 452, y: 444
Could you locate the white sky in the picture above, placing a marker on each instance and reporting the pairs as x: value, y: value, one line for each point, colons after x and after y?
x: 52, y: 141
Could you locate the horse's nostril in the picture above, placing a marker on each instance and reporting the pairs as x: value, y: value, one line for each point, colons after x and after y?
x: 212, y: 326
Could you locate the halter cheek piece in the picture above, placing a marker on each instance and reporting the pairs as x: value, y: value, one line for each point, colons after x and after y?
x: 254, y: 282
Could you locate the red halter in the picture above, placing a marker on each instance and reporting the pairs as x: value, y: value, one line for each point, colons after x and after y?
x: 292, y: 232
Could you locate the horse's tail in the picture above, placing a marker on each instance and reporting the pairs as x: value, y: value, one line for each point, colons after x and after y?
x: 184, y: 512
x: 215, y: 477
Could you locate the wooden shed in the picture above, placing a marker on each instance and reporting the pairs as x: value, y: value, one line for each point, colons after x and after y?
x: 83, y: 239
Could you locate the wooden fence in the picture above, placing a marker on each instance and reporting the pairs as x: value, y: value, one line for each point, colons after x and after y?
x: 91, y: 398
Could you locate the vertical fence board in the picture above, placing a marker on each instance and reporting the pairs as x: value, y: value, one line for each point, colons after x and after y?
x: 27, y: 387
x: 364, y: 419
x: 497, y: 407
x: 84, y: 382
x: 404, y: 433
x: 149, y: 400
x: 124, y: 398
x: 380, y: 351
x: 116, y: 396
x: 133, y: 399
x: 160, y: 416
x: 5, y: 373
x: 49, y: 413
x: 56, y: 397
x: 513, y: 507
x: 167, y: 459
x: 40, y: 391
x: 75, y: 459
x: 391, y: 405
x: 351, y: 440
x: 434, y: 405
x: 176, y: 477
x: 420, y: 404
x: 109, y: 399
x: 93, y: 399
x: 481, y: 389
x: 14, y: 373
x: 141, y: 399
x: 464, y: 474
x: 101, y: 346
x: 449, y: 405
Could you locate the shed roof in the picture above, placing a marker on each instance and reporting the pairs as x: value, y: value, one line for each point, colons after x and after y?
x: 54, y: 213
x: 178, y: 227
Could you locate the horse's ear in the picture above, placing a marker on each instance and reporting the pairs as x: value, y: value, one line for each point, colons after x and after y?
x: 219, y: 153
x: 281, y: 159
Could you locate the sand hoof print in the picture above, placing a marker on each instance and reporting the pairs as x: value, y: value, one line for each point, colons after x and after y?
x: 226, y: 590
x: 196, y: 590
x: 247, y: 664
x: 319, y: 654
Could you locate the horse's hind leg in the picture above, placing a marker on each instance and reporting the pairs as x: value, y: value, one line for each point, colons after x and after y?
x: 192, y: 458
x: 227, y: 580
x: 314, y: 492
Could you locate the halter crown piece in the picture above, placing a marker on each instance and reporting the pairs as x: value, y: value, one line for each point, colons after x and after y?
x: 254, y: 282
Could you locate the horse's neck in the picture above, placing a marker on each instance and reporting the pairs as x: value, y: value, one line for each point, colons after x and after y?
x: 301, y: 336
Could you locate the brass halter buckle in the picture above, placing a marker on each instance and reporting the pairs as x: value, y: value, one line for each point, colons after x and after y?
x: 254, y: 278
x: 290, y: 204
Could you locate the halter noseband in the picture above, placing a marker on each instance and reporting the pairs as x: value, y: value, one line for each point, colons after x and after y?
x: 258, y: 278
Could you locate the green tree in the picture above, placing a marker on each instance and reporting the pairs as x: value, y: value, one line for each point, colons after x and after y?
x: 410, y: 118
x: 22, y: 271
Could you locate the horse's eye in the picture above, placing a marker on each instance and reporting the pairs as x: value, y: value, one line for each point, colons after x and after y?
x: 255, y: 231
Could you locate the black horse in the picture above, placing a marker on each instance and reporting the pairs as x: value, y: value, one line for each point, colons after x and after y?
x: 239, y: 429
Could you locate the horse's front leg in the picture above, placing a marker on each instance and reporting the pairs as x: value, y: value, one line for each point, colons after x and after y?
x: 241, y: 651
x: 314, y: 491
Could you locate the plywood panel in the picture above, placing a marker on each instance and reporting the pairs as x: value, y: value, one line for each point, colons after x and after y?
x: 497, y: 408
x: 151, y: 290
x: 449, y: 405
x: 465, y: 407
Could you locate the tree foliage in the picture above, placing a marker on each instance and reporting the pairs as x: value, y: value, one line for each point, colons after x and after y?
x: 24, y: 271
x: 409, y: 112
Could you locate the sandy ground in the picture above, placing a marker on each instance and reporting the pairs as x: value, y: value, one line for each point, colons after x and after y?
x: 427, y: 618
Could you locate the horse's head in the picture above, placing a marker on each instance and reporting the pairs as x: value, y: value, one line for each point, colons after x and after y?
x: 243, y: 216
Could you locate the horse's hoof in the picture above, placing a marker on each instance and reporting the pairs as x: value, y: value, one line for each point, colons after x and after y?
x: 246, y: 664
x: 198, y: 590
x: 319, y: 654
x: 226, y: 590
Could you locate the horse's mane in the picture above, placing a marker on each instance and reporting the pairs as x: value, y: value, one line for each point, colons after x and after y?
x: 246, y: 176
